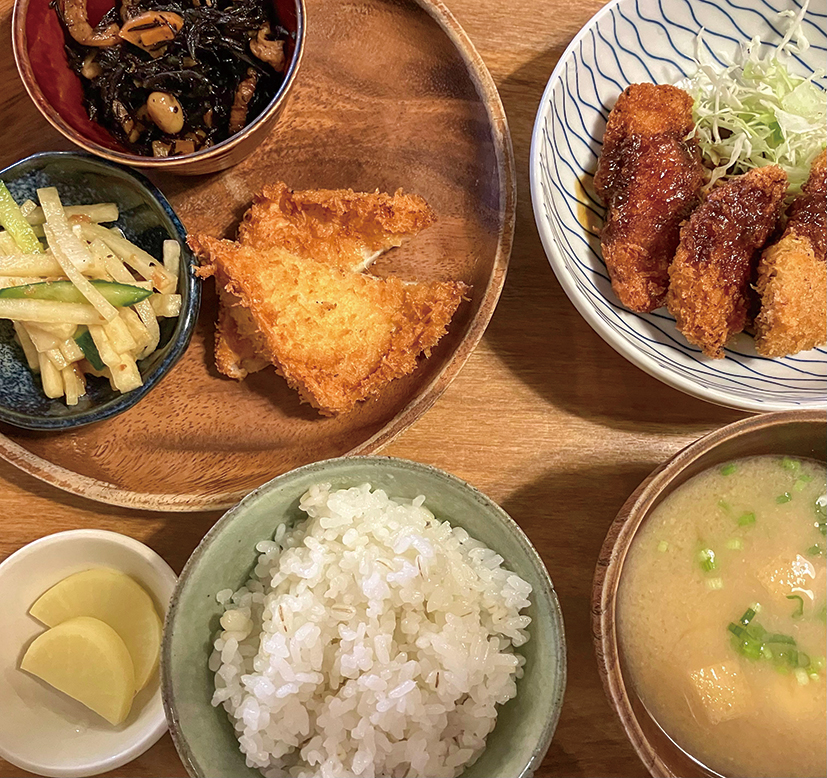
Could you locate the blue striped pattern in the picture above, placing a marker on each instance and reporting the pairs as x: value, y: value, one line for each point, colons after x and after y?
x: 630, y: 41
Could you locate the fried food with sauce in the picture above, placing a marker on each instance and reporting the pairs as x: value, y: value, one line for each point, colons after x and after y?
x: 792, y: 275
x: 649, y: 176
x: 719, y: 244
x: 340, y: 228
x: 337, y: 336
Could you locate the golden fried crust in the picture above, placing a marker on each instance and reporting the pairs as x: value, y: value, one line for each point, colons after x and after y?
x: 338, y: 337
x: 709, y: 278
x: 792, y: 275
x: 649, y: 176
x: 792, y: 284
x: 340, y: 227
x: 236, y: 339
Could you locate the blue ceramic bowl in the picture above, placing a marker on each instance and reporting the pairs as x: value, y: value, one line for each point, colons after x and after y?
x: 147, y: 219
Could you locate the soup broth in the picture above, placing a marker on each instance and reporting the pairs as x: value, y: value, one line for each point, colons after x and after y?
x: 721, y: 617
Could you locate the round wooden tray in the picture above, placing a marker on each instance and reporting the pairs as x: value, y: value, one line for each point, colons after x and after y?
x: 391, y: 94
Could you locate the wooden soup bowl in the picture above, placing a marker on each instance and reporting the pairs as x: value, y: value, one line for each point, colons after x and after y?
x: 799, y: 433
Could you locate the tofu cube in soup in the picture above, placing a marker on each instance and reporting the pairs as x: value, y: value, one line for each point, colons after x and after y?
x: 785, y: 576
x: 722, y: 691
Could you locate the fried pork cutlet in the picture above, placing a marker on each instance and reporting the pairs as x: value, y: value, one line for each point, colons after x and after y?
x: 709, y: 278
x: 340, y: 228
x: 337, y: 336
x: 792, y: 275
x: 649, y: 176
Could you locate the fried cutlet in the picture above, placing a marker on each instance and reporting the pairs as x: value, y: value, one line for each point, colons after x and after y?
x: 709, y: 277
x: 792, y: 275
x: 340, y: 227
x: 649, y: 176
x: 336, y: 336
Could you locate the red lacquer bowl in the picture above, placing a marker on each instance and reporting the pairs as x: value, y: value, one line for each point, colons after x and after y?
x: 38, y: 42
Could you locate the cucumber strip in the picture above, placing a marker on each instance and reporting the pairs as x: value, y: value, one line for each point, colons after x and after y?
x: 120, y: 295
x: 89, y: 349
x: 12, y: 219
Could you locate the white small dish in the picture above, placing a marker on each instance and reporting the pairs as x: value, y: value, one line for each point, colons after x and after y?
x: 627, y: 42
x: 41, y: 729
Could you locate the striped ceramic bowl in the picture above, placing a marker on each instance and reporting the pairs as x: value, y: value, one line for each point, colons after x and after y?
x: 631, y: 41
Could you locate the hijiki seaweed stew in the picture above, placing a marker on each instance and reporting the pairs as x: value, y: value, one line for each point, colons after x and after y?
x: 171, y: 78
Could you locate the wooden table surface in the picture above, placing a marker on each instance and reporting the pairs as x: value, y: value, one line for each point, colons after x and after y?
x: 545, y: 417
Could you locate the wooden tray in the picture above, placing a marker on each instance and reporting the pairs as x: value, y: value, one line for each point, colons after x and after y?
x: 391, y: 94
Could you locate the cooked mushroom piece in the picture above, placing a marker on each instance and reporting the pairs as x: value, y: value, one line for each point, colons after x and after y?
x: 76, y: 19
x: 268, y: 50
x: 151, y: 30
x: 243, y: 95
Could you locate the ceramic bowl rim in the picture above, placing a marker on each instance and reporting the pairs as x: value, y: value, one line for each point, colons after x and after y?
x: 181, y: 335
x: 157, y: 726
x: 583, y: 306
x: 549, y: 594
x: 618, y: 540
x: 170, y: 164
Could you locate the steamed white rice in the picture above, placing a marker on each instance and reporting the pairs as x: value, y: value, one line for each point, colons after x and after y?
x: 372, y: 640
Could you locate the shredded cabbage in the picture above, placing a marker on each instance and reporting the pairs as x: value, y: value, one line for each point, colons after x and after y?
x: 755, y: 112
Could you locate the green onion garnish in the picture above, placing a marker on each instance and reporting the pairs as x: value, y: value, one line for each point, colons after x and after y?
x: 782, y: 498
x: 815, y: 550
x: 748, y: 616
x: 724, y: 506
x: 729, y: 468
x: 734, y: 544
x: 801, y: 482
x: 663, y: 546
x: 799, y: 611
x: 714, y: 583
x: 801, y: 676
x: 706, y: 558
x: 790, y: 464
x: 745, y: 519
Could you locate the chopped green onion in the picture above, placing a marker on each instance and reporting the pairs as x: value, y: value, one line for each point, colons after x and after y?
x: 745, y: 519
x: 734, y: 544
x: 766, y: 652
x: 715, y: 583
x: 781, y: 639
x: 799, y: 611
x: 803, y: 659
x: 706, y: 558
x: 801, y: 676
x: 663, y: 546
x: 724, y: 506
x: 782, y: 498
x: 801, y: 482
x: 790, y: 464
x: 815, y: 550
x: 748, y: 616
x: 822, y: 614
x: 820, y: 663
x: 729, y: 469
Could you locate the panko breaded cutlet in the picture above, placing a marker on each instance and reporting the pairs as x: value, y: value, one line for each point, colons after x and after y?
x: 709, y: 277
x: 649, y: 176
x: 792, y: 275
x: 337, y: 336
x: 338, y: 227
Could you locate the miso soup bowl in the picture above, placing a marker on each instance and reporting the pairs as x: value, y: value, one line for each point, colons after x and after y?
x: 38, y: 40
x: 800, y: 433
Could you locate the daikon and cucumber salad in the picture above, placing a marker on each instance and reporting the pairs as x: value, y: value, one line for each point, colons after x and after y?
x: 83, y: 299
